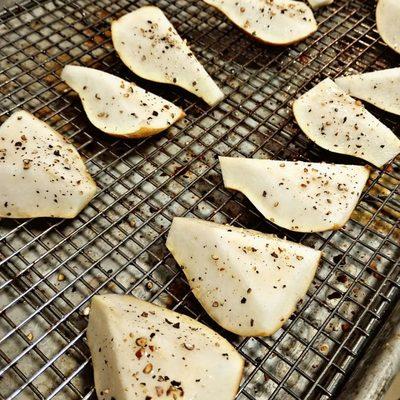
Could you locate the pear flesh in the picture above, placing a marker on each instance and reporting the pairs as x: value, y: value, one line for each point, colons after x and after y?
x: 387, y: 21
x: 278, y: 22
x: 151, y: 47
x: 341, y: 124
x: 300, y: 196
x: 118, y: 107
x: 142, y: 351
x: 41, y: 174
x: 380, y: 88
x: 247, y: 281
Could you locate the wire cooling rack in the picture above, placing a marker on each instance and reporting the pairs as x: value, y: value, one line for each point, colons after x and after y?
x: 50, y: 269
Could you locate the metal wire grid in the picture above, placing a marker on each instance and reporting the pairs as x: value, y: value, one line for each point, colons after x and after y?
x: 50, y: 269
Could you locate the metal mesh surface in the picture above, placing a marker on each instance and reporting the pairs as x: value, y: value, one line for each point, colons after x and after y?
x: 50, y: 269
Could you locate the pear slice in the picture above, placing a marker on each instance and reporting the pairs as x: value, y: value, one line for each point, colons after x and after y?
x: 142, y: 351
x: 300, y: 196
x: 338, y: 123
x: 41, y: 174
x: 278, y: 22
x: 315, y: 4
x: 380, y: 88
x: 150, y: 46
x: 118, y: 107
x: 387, y: 21
x: 248, y: 282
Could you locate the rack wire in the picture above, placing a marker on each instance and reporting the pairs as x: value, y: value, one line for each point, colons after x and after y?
x: 50, y: 269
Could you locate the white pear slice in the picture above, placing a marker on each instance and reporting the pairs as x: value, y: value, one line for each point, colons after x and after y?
x: 300, y: 196
x: 41, y: 174
x: 247, y: 281
x: 380, y: 88
x: 151, y: 47
x: 118, y: 107
x: 278, y: 22
x: 338, y: 123
x: 315, y: 4
x: 387, y: 21
x: 142, y: 351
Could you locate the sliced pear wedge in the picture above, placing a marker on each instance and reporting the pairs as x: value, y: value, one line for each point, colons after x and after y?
x: 338, y: 123
x: 278, y: 22
x: 300, y: 196
x: 387, y: 21
x: 315, y: 4
x: 150, y: 46
x: 118, y: 107
x: 41, y: 174
x: 380, y: 88
x: 142, y: 351
x: 248, y: 282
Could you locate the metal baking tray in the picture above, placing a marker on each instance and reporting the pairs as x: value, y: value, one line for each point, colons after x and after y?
x: 50, y: 269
